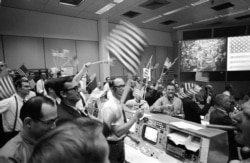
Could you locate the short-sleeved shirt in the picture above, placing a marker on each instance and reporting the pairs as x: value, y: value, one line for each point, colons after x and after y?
x: 176, y: 102
x: 112, y: 109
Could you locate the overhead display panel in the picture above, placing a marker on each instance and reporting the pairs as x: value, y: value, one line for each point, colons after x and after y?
x: 203, y: 55
x: 238, y: 50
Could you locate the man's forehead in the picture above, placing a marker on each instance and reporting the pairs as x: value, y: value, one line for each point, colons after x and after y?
x: 170, y: 87
x: 118, y: 81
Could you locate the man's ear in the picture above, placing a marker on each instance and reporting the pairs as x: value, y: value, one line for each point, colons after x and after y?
x: 62, y: 93
x: 27, y: 122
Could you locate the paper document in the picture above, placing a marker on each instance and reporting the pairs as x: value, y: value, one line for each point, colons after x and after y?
x: 185, y: 125
x: 191, y: 143
x: 178, y: 137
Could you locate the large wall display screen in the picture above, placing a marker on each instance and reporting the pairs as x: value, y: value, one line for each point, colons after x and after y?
x: 238, y: 53
x: 204, y: 55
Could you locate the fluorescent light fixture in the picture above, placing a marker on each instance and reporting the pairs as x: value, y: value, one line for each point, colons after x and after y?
x: 118, y: 1
x: 184, y: 25
x: 199, y: 2
x: 71, y: 2
x: 151, y: 19
x: 176, y: 10
x: 105, y: 8
x: 209, y: 19
x: 233, y: 13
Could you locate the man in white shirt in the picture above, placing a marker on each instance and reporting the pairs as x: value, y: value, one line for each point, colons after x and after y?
x: 10, y: 110
x: 40, y: 85
x: 137, y: 102
x: 115, y: 125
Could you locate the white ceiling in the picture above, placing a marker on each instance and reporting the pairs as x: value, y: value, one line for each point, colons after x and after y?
x: 191, y: 15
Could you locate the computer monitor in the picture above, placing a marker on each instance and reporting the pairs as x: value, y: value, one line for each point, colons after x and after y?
x: 150, y: 134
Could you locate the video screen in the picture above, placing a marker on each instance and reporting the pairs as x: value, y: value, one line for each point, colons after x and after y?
x: 204, y: 55
x: 238, y: 53
x: 150, y: 134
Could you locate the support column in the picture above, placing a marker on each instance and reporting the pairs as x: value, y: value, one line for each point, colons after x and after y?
x: 103, y: 30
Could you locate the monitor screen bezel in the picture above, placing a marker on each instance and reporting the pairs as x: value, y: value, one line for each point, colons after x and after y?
x: 146, y: 139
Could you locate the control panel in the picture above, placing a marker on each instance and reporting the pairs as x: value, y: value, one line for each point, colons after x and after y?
x: 169, y: 139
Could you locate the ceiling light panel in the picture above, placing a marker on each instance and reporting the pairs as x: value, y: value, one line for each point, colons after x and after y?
x: 71, y: 2
x: 105, y: 8
x: 151, y: 19
x: 176, y: 10
x: 181, y: 26
x: 199, y: 2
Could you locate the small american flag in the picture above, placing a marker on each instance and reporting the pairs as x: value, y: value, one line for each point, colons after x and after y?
x: 23, y: 71
x: 168, y: 74
x: 7, y: 88
x: 127, y: 42
x: 238, y: 53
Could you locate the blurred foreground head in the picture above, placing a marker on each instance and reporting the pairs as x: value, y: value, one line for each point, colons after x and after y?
x: 73, y: 142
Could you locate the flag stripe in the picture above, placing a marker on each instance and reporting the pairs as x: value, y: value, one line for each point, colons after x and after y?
x: 6, y: 87
x: 124, y: 48
x: 120, y: 37
x: 127, y: 42
x: 238, y: 53
x: 119, y: 54
x: 133, y: 37
x: 139, y: 32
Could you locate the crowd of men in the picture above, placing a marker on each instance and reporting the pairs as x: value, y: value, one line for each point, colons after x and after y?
x: 53, y: 120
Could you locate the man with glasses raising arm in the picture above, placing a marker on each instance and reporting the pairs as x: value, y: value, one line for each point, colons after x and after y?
x: 39, y: 115
x: 115, y: 124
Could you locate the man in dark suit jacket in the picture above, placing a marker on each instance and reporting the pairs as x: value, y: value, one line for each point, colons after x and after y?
x: 69, y: 92
x: 220, y: 116
x: 191, y: 109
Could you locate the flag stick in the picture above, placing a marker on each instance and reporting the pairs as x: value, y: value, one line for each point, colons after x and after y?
x: 103, y: 61
x: 126, y: 88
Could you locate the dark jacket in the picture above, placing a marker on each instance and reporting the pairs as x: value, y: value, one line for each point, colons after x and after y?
x: 66, y: 112
x: 220, y: 118
x: 192, y: 110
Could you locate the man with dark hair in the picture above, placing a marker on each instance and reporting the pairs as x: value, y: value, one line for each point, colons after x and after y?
x: 32, y: 82
x: 115, y: 124
x: 168, y: 104
x: 38, y: 115
x: 50, y: 89
x: 79, y: 141
x: 220, y: 116
x: 69, y: 92
x: 10, y: 110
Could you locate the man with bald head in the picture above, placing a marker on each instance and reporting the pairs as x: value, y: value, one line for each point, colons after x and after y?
x: 220, y: 116
x: 115, y: 124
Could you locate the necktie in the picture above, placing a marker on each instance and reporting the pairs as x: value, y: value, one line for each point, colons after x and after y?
x: 82, y: 113
x: 124, y: 115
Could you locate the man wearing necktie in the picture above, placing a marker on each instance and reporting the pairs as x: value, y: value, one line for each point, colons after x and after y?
x: 69, y: 92
x: 115, y: 125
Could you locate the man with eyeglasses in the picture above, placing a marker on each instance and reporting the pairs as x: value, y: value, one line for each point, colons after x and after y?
x: 68, y: 91
x: 115, y: 124
x: 10, y: 110
x: 39, y: 115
